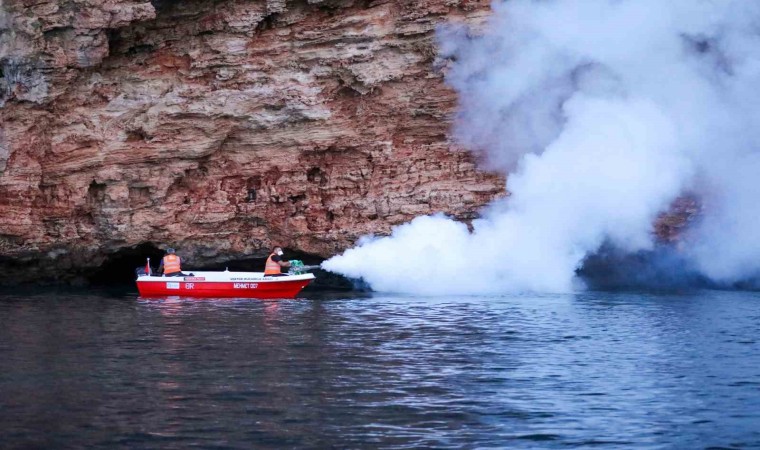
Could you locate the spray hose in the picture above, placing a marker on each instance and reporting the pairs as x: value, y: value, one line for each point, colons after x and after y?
x: 297, y: 267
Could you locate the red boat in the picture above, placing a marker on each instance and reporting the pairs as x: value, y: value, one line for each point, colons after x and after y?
x: 224, y: 285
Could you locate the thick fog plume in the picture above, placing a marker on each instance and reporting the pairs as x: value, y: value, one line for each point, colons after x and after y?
x: 603, y: 112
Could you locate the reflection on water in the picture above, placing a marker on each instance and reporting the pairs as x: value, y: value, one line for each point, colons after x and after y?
x: 552, y: 371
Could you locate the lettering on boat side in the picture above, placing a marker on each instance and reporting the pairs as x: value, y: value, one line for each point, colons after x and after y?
x: 189, y: 286
x: 195, y: 278
x: 245, y: 285
x: 246, y: 279
x: 172, y: 285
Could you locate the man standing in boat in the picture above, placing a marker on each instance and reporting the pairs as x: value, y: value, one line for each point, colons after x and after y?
x: 170, y: 264
x: 275, y: 263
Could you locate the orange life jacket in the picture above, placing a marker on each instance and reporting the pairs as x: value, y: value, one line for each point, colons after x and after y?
x: 272, y: 267
x: 171, y: 264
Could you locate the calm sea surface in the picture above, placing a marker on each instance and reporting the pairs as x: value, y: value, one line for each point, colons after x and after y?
x: 608, y: 370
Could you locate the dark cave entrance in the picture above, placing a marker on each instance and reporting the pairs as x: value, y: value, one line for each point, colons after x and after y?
x: 119, y: 267
x: 660, y: 269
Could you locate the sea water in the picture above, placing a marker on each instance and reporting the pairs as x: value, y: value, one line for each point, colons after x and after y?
x: 602, y: 369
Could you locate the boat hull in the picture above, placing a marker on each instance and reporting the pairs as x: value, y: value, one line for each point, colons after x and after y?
x: 224, y: 285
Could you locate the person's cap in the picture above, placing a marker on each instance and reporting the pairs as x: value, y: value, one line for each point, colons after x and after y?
x: 169, y: 250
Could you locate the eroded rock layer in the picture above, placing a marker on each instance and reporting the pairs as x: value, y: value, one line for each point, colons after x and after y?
x: 222, y: 127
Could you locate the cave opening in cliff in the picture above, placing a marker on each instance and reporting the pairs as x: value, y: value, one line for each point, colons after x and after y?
x: 119, y: 266
x: 162, y: 6
x: 662, y: 268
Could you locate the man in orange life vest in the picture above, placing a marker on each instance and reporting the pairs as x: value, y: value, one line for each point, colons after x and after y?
x: 170, y: 264
x: 275, y: 263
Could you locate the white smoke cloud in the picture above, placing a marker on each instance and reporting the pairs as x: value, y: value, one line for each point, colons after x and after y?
x: 604, y: 112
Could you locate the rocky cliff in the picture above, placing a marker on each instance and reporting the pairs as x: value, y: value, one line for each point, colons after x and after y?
x: 222, y: 127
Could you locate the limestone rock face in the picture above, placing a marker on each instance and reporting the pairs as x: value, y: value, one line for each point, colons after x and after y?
x: 671, y: 226
x: 223, y: 127
x: 42, y: 43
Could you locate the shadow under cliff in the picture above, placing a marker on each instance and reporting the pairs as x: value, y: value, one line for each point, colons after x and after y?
x: 117, y: 269
x: 661, y: 269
